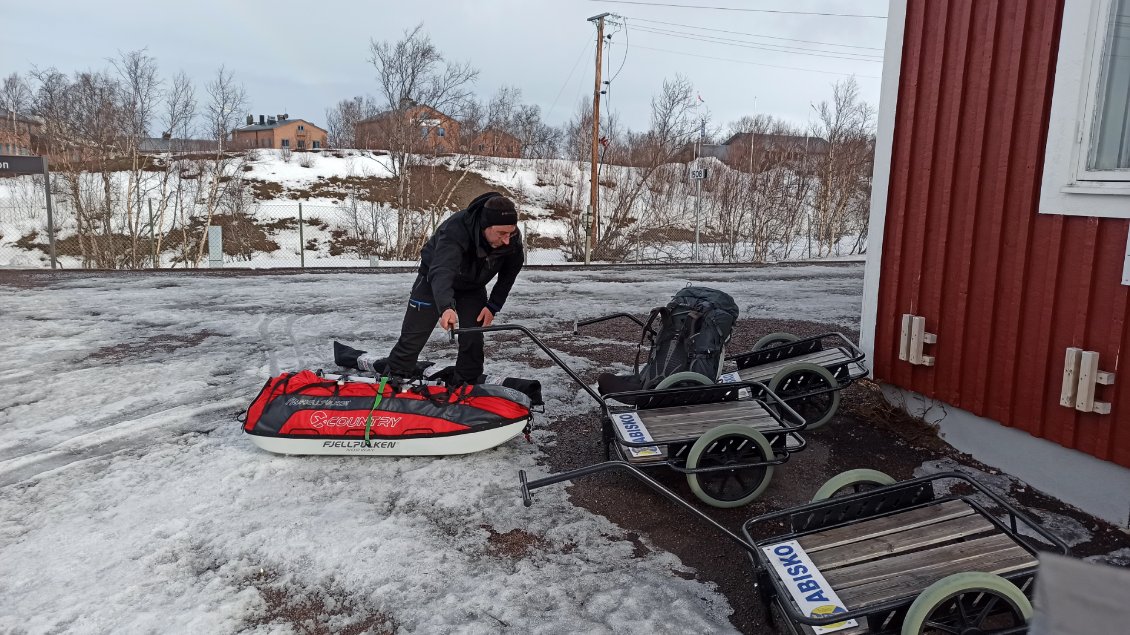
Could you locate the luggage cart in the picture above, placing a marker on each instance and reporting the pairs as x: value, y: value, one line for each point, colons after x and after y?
x: 900, y: 559
x: 887, y: 558
x: 726, y: 438
x: 807, y: 373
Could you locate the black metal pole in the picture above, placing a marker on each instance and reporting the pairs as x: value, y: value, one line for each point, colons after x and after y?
x: 301, y: 240
x: 50, y: 213
x: 552, y: 355
x: 152, y: 237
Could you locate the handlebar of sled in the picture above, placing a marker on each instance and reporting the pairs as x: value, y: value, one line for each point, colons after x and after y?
x: 577, y: 324
x: 536, y: 340
x: 528, y: 499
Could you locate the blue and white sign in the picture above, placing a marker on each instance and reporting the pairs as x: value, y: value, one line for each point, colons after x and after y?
x: 733, y: 378
x: 633, y: 430
x: 806, y: 584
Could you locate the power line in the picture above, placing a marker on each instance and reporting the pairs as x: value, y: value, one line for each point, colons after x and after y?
x: 763, y: 47
x: 625, y: 58
x: 767, y: 37
x: 779, y: 48
x: 692, y: 6
x: 566, y: 84
x: 724, y: 59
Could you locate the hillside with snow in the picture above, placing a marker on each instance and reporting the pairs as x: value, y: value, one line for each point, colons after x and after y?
x: 350, y: 208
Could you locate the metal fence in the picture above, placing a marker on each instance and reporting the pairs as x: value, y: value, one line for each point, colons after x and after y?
x: 347, y: 235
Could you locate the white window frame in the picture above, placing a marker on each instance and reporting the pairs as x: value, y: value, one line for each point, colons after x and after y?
x: 1068, y: 188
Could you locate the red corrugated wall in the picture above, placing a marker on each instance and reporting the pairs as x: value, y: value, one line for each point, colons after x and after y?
x: 1006, y: 289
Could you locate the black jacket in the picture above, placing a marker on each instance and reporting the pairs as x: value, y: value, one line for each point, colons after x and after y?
x: 458, y: 258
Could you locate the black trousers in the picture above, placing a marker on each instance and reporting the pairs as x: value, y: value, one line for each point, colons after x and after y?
x: 420, y: 320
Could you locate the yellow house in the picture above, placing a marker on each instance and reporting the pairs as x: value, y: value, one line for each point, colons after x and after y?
x: 279, y: 131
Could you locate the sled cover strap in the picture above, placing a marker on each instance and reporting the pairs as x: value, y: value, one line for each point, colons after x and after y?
x: 376, y: 402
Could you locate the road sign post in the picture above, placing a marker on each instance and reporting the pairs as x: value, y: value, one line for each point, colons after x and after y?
x: 698, y: 175
x: 34, y: 165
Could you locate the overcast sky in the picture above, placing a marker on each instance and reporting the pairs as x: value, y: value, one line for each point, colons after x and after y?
x: 302, y: 57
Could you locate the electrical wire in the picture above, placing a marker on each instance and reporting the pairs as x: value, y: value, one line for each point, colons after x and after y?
x: 859, y: 57
x: 758, y: 35
x: 625, y: 58
x: 724, y: 59
x: 566, y: 84
x: 692, y: 6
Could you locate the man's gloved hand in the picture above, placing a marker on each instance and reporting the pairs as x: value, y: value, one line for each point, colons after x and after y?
x: 486, y: 317
x: 448, y: 320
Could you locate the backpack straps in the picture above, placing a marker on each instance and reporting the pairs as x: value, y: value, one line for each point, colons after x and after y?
x: 648, y: 333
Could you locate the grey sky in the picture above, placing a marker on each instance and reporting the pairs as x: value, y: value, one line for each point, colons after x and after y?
x: 302, y: 57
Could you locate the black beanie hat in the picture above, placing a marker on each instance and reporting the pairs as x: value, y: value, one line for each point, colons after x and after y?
x: 499, y: 210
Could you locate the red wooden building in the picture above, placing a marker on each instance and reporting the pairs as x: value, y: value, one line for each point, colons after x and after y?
x: 996, y: 289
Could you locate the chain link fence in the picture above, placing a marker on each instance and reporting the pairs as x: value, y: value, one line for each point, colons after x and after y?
x: 261, y: 237
x: 264, y: 236
x: 348, y: 235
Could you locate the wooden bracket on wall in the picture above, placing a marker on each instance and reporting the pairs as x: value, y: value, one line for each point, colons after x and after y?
x: 1081, y: 377
x: 913, y: 338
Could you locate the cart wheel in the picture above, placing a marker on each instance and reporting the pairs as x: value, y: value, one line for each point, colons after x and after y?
x: 802, y: 378
x: 774, y: 339
x: 971, y: 602
x: 684, y: 379
x: 856, y: 480
x: 730, y: 444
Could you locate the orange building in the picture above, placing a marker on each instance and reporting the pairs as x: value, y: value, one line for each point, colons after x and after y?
x: 279, y: 132
x: 493, y: 142
x: 437, y: 132
x: 16, y: 132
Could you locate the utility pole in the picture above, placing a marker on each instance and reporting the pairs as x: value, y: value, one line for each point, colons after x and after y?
x: 698, y: 189
x: 594, y: 184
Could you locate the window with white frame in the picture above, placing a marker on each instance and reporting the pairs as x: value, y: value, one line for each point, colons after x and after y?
x: 1087, y: 163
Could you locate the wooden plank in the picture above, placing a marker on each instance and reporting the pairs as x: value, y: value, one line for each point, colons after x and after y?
x: 680, y: 422
x: 904, y: 338
x: 907, y: 563
x: 917, y: 332
x: 916, y: 538
x: 1088, y: 368
x: 910, y: 583
x: 764, y: 372
x: 1070, y: 377
x: 875, y: 527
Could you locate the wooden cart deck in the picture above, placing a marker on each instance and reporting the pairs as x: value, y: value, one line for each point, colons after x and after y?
x: 828, y: 358
x: 679, y: 423
x: 898, y: 556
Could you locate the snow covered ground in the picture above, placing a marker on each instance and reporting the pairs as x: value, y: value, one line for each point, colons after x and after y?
x: 130, y: 502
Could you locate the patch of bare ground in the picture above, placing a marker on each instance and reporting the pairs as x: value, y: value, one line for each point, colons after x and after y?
x: 311, y: 613
x: 151, y: 345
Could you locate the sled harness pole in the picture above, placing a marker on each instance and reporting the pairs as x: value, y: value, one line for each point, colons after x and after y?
x: 376, y: 402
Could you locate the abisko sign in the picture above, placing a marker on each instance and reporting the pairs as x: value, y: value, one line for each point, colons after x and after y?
x: 16, y: 165
x: 22, y: 165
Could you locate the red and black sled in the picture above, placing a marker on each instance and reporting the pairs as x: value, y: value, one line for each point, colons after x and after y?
x: 310, y: 413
